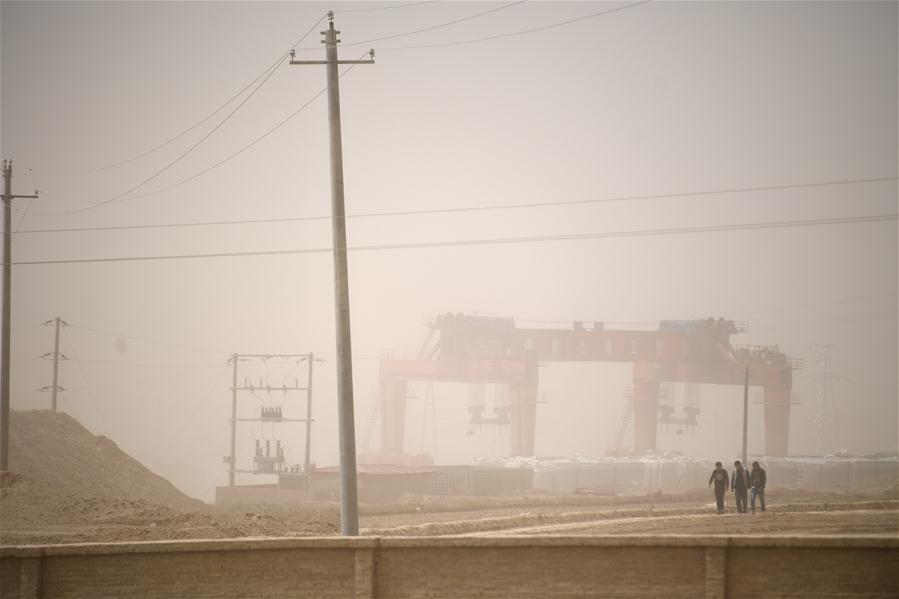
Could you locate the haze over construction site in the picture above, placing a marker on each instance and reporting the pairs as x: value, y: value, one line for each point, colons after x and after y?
x: 581, y: 239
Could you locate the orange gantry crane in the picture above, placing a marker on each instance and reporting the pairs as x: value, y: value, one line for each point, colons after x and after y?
x: 478, y: 349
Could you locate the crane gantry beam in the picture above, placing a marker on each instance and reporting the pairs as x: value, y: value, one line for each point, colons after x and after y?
x: 475, y: 349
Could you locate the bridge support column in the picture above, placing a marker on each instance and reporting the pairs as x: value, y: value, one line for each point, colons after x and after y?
x: 646, y: 405
x: 393, y: 417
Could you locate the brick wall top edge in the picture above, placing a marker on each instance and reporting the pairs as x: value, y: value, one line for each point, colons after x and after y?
x: 876, y: 542
x: 183, y: 546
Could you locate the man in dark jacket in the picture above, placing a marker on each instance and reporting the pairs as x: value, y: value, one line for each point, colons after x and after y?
x: 758, y: 479
x: 719, y: 477
x: 740, y: 486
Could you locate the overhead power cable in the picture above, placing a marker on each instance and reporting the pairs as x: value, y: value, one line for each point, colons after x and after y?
x: 145, y: 340
x: 377, y: 8
x: 847, y: 319
x: 728, y: 314
x: 428, y: 211
x: 224, y: 160
x: 24, y: 214
x: 152, y: 364
x: 206, y: 118
x: 136, y: 382
x: 494, y: 241
x: 92, y: 400
x: 768, y: 325
x: 435, y: 27
x: 182, y: 155
x: 515, y: 33
x: 816, y: 304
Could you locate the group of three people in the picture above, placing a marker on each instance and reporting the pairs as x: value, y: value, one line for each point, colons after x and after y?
x: 740, y: 483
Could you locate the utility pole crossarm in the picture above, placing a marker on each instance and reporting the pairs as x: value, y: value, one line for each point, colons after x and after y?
x: 370, y: 61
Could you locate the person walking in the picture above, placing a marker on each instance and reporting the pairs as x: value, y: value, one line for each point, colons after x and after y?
x: 740, y: 486
x: 719, y: 477
x: 758, y: 478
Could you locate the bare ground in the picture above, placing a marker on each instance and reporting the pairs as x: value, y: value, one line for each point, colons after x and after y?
x: 83, y: 488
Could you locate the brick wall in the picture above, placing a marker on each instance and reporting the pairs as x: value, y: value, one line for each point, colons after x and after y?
x: 460, y: 567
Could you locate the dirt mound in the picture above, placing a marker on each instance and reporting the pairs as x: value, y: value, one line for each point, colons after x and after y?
x: 32, y: 512
x: 68, y: 485
x: 61, y: 458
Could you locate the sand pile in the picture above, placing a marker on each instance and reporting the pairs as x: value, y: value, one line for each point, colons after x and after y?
x: 54, y: 449
x: 67, y: 485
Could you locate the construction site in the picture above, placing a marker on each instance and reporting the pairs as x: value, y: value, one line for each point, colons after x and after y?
x: 507, y: 300
x: 81, y: 488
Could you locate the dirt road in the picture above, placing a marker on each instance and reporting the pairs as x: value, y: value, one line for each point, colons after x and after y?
x: 863, y: 517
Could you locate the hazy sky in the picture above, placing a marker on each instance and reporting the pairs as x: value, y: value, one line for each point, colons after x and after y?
x: 658, y: 98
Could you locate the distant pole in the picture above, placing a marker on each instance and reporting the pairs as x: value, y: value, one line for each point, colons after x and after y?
x: 234, y: 359
x: 54, y: 388
x: 349, y: 504
x: 8, y: 197
x: 745, y: 412
x: 307, y: 462
x: 4, y: 345
x: 56, y: 322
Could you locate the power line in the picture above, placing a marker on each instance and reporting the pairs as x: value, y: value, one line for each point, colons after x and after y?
x: 92, y: 400
x: 522, y: 32
x: 146, y: 340
x: 772, y: 325
x: 206, y: 118
x: 429, y: 211
x: 227, y: 158
x: 182, y: 155
x: 493, y: 241
x: 24, y: 214
x: 406, y: 5
x: 812, y: 305
x: 152, y: 364
x: 728, y: 314
x: 440, y: 26
x: 184, y: 132
x: 848, y: 319
x: 136, y: 382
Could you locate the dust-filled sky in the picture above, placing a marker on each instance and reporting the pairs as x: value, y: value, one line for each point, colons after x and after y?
x: 670, y: 99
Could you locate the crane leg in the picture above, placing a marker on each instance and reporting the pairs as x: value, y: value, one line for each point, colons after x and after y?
x: 777, y: 420
x: 646, y: 405
x: 393, y: 417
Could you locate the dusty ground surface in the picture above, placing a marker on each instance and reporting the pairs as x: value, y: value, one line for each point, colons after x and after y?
x: 82, y: 488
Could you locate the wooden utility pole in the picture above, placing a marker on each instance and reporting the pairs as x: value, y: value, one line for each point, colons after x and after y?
x: 349, y: 505
x: 8, y: 197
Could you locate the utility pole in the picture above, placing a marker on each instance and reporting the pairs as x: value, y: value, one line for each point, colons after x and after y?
x: 8, y: 197
x: 58, y: 323
x: 233, y: 459
x: 745, y: 413
x: 307, y: 461
x: 349, y: 505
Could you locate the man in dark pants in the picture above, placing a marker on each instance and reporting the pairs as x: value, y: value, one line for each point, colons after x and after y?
x: 740, y: 486
x: 758, y: 477
x: 719, y: 477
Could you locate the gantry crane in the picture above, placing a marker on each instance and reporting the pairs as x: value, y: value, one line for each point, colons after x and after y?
x: 477, y: 349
